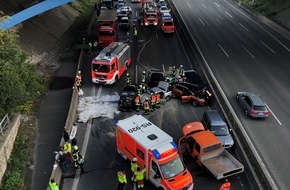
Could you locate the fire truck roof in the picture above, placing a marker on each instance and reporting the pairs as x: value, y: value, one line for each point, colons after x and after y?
x: 144, y: 132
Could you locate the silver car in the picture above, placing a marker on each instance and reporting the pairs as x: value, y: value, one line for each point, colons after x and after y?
x: 253, y: 105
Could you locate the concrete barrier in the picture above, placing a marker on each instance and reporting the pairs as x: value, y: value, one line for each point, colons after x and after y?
x: 254, y: 166
x: 7, y: 142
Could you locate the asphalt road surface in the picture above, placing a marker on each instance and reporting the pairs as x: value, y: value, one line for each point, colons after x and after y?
x: 152, y: 50
x: 246, y: 55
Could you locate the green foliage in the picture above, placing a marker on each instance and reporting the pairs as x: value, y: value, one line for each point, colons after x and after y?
x: 85, y: 7
x: 19, y: 81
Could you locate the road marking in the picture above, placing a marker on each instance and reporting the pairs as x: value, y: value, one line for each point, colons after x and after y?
x: 248, y: 51
x: 203, y: 6
x: 136, y: 74
x: 262, y: 27
x: 218, y: 21
x: 217, y: 4
x: 223, y: 50
x: 244, y: 27
x: 201, y: 21
x: 228, y: 14
x: 274, y: 115
x: 188, y: 5
x: 267, y: 47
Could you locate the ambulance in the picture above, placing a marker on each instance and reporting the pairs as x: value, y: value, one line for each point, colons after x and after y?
x: 155, y: 150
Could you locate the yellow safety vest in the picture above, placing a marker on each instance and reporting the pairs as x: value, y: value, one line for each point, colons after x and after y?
x: 134, y: 166
x: 67, y: 148
x: 122, y: 177
x: 140, y: 174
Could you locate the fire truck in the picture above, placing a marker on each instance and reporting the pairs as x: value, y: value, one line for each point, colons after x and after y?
x: 111, y: 63
x: 107, y: 28
x: 149, y: 11
x: 155, y: 150
x: 167, y: 24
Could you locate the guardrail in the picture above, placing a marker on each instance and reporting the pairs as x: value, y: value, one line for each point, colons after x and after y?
x: 4, y: 124
x: 253, y: 163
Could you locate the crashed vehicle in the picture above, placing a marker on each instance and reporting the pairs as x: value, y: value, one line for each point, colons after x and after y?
x: 153, y: 78
x: 195, y: 79
x: 127, y: 96
x: 188, y: 92
x: 163, y: 89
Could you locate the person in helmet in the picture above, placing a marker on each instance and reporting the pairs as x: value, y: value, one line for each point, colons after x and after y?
x: 157, y: 97
x: 146, y: 106
x: 128, y: 79
x: 173, y: 71
x: 134, y: 166
x: 181, y: 70
x: 152, y: 101
x: 183, y: 77
x: 75, y: 155
x: 137, y: 101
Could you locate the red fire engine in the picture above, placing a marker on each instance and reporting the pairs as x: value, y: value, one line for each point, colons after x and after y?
x: 111, y: 63
x: 149, y: 11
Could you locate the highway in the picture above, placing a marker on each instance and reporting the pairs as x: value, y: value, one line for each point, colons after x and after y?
x: 247, y: 55
x: 152, y: 50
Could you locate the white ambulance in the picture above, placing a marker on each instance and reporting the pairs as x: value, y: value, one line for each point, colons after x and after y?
x: 155, y: 150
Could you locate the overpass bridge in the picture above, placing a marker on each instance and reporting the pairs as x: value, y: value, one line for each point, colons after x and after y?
x: 30, y: 12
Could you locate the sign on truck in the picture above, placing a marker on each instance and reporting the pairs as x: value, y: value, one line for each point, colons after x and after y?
x: 207, y: 150
x: 155, y: 150
x: 111, y: 63
x: 107, y: 28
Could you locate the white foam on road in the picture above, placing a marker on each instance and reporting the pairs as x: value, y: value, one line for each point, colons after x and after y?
x: 93, y: 107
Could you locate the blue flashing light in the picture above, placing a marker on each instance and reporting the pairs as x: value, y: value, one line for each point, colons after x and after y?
x: 156, y: 154
x: 174, y: 145
x: 115, y: 123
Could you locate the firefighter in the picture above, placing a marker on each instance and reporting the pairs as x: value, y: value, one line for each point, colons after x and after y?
x: 67, y: 151
x: 179, y: 78
x: 139, y: 89
x: 152, y: 102
x: 143, y: 82
x: 122, y: 179
x: 146, y: 106
x: 128, y: 79
x: 75, y: 156
x: 181, y: 70
x: 81, y: 162
x: 137, y: 102
x: 140, y: 177
x: 226, y: 185
x: 173, y: 71
x: 134, y: 166
x: 157, y: 97
x: 52, y: 185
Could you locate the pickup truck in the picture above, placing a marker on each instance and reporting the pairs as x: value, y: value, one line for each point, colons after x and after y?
x: 207, y: 150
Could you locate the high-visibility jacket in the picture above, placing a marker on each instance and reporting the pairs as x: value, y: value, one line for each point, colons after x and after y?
x: 134, y: 166
x: 146, y: 105
x: 140, y: 174
x: 137, y: 100
x: 226, y: 186
x: 122, y: 177
x: 157, y: 96
x: 75, y: 155
x: 128, y: 80
x: 143, y: 78
x: 67, y: 148
x: 153, y: 99
x: 53, y: 186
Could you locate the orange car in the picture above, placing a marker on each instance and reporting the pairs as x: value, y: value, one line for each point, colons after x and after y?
x: 187, y: 94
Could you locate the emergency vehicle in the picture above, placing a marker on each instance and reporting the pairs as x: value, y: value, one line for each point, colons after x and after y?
x: 150, y: 16
x: 167, y: 24
x: 155, y: 150
x: 111, y: 63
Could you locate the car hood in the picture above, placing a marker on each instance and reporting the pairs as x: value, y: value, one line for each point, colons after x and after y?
x: 226, y: 139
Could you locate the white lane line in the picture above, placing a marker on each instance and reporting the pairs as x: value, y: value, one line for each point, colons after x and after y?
x: 262, y: 27
x: 223, y: 50
x: 203, y: 6
x: 228, y: 14
x: 201, y: 21
x: 267, y: 47
x: 243, y: 27
x: 188, y: 5
x: 248, y: 51
x: 218, y: 21
x: 217, y: 4
x: 274, y: 115
x: 136, y: 71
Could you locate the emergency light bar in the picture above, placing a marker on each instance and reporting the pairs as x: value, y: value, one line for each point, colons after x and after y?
x: 157, y: 154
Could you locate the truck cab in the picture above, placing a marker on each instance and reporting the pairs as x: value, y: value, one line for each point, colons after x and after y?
x: 150, y: 16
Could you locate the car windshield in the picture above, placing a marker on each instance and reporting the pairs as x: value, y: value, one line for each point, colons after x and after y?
x: 172, y: 168
x: 260, y: 108
x: 127, y: 93
x: 101, y: 68
x: 168, y: 23
x: 220, y: 130
x: 106, y: 33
